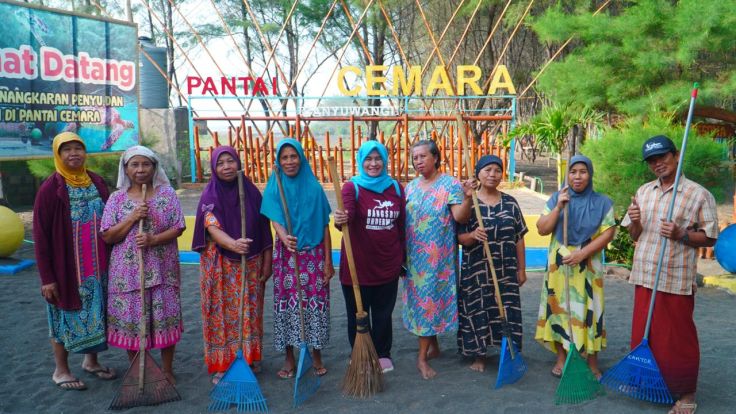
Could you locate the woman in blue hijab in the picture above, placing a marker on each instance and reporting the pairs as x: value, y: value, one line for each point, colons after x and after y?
x: 374, y: 213
x: 309, y: 213
x: 590, y: 227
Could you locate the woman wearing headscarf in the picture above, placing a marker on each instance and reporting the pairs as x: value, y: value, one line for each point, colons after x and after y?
x: 480, y: 324
x: 310, y: 245
x: 218, y: 238
x: 163, y: 222
x: 374, y: 213
x: 435, y: 202
x: 590, y: 227
x: 72, y: 260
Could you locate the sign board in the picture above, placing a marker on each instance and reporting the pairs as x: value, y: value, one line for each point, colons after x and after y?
x: 61, y: 71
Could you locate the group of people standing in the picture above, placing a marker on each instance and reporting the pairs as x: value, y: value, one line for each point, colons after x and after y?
x: 87, y: 245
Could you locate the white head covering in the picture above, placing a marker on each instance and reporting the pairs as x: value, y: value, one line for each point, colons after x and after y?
x: 159, y: 176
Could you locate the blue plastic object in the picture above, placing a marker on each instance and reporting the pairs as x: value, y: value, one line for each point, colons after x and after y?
x: 638, y: 376
x: 510, y: 369
x: 725, y: 248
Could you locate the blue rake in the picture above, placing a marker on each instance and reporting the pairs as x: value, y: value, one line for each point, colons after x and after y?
x: 638, y: 375
x: 307, y: 381
x: 238, y: 387
x: 511, y: 366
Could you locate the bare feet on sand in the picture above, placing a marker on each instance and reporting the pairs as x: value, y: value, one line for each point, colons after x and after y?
x: 479, y: 364
x: 426, y: 371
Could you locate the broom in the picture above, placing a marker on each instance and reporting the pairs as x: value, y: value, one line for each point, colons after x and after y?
x: 144, y: 383
x: 239, y: 386
x: 511, y: 366
x: 304, y: 385
x: 577, y: 383
x: 364, y: 376
x: 638, y: 375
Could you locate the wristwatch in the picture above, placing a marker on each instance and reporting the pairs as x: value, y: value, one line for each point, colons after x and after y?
x: 686, y: 237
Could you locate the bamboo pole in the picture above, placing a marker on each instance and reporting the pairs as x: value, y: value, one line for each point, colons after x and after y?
x: 258, y: 160
x: 197, y: 154
x: 216, y: 136
x: 352, y: 144
x: 340, y: 157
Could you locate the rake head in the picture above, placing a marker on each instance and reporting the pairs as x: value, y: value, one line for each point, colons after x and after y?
x: 638, y: 376
x: 307, y: 381
x: 238, y: 387
x: 510, y: 368
x: 156, y: 389
x: 578, y: 384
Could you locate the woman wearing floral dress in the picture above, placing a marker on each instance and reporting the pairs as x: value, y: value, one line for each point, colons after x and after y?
x: 163, y: 222
x: 72, y: 260
x: 434, y: 203
x: 503, y: 229
x: 591, y: 226
x: 309, y: 214
x: 217, y: 236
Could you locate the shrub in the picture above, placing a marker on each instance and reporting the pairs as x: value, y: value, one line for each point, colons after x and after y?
x: 620, y: 171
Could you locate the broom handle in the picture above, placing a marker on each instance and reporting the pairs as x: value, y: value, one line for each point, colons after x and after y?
x: 671, y: 208
x: 346, y: 237
x: 479, y: 219
x: 243, y: 271
x: 144, y: 319
x: 296, y: 253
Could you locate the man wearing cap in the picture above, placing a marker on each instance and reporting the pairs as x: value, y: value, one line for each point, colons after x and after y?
x: 673, y: 337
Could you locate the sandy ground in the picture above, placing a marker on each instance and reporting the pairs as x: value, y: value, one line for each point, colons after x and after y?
x: 26, y: 387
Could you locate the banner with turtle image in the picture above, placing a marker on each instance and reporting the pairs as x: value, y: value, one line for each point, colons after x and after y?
x: 61, y: 71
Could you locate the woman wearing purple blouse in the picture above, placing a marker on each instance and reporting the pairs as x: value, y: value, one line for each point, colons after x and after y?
x: 374, y: 213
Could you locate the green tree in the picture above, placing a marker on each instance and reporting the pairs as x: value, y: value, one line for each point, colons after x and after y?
x: 643, y: 58
x: 619, y: 169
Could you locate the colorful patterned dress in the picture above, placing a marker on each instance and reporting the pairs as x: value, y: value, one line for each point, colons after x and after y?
x: 586, y: 299
x: 220, y: 286
x: 315, y: 298
x: 480, y: 321
x: 429, y: 292
x: 161, y: 274
x: 83, y: 331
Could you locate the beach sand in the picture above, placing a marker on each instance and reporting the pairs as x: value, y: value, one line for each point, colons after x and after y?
x: 27, y: 364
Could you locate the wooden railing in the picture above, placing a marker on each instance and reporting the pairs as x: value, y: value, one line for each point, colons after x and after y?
x: 257, y: 152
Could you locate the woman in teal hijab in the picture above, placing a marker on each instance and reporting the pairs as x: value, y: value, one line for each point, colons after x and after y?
x: 375, y: 214
x: 309, y: 213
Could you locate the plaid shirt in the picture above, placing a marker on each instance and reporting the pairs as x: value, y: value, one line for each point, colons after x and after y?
x: 695, y: 209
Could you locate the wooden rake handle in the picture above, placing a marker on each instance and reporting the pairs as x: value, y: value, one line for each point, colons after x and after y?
x: 297, y: 281
x: 336, y: 182
x: 144, y: 313
x: 243, y: 261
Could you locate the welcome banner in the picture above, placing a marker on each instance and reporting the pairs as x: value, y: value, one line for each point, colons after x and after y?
x: 65, y: 72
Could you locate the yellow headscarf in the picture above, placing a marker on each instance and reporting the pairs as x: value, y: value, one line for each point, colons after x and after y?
x: 75, y: 177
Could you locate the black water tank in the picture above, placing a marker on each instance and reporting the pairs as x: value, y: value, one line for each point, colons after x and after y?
x: 154, y: 90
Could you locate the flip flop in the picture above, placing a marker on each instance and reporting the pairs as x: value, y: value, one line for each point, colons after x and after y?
x: 66, y: 385
x: 320, y: 371
x: 680, y: 406
x: 105, y: 373
x: 286, y: 373
x: 217, y: 377
x: 556, y: 373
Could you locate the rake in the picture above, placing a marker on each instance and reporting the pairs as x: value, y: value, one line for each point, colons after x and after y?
x: 638, y: 375
x: 511, y: 365
x: 305, y: 384
x: 144, y: 383
x: 577, y: 383
x: 239, y: 386
x: 364, y: 376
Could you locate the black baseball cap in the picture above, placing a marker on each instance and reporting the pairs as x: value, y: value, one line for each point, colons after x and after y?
x: 657, y: 145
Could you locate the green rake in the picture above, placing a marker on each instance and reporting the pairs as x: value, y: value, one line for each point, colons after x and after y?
x: 577, y: 384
